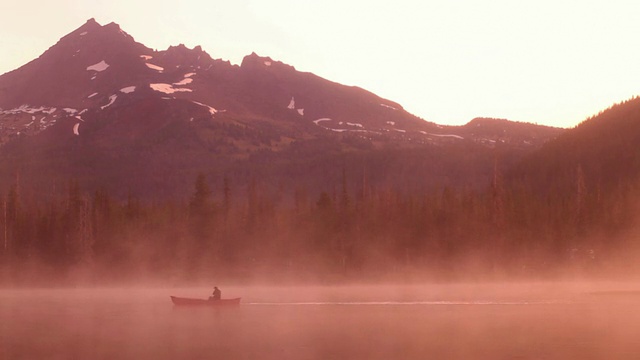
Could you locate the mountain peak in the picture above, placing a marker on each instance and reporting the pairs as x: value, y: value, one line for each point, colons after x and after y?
x: 181, y: 54
x: 66, y: 66
x: 92, y: 22
x: 112, y: 25
x: 89, y: 25
x: 254, y: 60
x: 185, y: 49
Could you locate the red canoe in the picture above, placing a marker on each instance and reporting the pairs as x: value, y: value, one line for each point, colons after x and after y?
x: 204, y: 302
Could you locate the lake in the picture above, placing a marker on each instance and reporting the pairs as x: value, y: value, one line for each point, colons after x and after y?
x: 443, y: 321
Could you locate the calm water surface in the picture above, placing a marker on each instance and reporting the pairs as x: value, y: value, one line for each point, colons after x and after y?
x: 533, y: 321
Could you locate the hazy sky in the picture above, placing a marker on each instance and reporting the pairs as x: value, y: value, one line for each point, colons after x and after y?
x: 552, y: 62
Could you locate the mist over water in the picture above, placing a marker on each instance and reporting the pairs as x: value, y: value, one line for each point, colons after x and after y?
x: 464, y: 321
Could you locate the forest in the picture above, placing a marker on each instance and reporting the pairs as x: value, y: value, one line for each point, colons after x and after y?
x: 349, y: 231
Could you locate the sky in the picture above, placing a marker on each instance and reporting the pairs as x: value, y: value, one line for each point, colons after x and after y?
x: 550, y: 62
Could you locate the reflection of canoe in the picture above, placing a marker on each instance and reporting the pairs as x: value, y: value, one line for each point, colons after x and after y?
x: 204, y: 302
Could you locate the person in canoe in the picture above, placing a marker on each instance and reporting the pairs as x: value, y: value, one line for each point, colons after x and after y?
x: 217, y: 294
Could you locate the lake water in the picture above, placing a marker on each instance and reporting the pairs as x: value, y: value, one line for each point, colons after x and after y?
x: 480, y: 321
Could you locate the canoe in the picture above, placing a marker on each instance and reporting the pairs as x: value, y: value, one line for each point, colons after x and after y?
x: 204, y: 302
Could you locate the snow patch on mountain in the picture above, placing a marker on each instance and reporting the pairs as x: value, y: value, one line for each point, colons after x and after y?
x: 292, y: 106
x: 84, y: 33
x: 29, y: 110
x: 320, y: 120
x: 146, y: 57
x: 267, y: 63
x: 101, y: 66
x: 70, y: 111
x: 112, y: 99
x: 77, y: 126
x: 212, y: 110
x: 389, y: 107
x: 360, y: 126
x: 128, y: 89
x: 92, y: 95
x: 443, y: 135
x: 154, y: 67
x: 183, y: 82
x: 26, y: 117
x: 168, y: 88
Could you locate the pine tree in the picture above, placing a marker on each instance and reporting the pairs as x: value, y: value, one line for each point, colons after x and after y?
x: 201, y: 200
x: 226, y: 200
x: 201, y: 223
x: 11, y: 213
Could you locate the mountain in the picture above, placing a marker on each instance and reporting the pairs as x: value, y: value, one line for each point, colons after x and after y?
x: 100, y: 108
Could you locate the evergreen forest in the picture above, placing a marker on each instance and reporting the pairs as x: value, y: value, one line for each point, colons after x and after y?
x: 347, y: 232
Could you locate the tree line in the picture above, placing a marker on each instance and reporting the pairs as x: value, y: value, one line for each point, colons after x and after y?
x: 349, y: 230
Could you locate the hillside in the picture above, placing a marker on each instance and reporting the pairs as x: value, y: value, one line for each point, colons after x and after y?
x: 107, y: 111
x: 601, y: 151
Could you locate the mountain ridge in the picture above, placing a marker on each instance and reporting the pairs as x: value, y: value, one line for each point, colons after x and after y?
x: 99, y: 91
